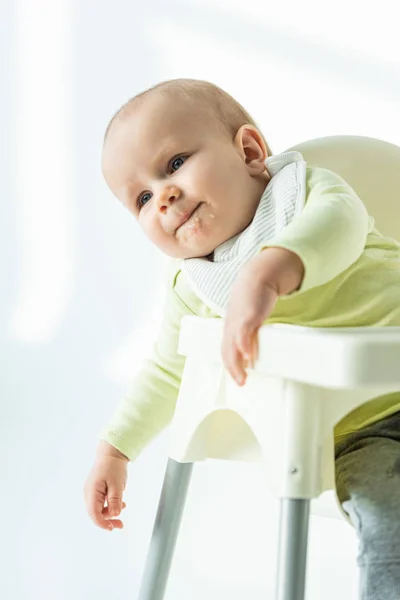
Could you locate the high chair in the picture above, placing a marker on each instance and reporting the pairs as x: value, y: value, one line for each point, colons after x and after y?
x: 305, y: 381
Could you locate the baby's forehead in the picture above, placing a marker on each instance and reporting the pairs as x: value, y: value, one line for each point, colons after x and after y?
x: 163, y: 131
x: 157, y: 126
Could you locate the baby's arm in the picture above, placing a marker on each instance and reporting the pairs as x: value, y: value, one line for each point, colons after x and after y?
x: 329, y: 235
x: 150, y: 403
x: 142, y: 414
x: 319, y: 244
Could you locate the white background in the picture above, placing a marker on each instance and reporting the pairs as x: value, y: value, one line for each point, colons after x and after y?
x: 80, y: 291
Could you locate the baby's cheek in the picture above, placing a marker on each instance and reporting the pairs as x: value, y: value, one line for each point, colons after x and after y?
x: 157, y: 237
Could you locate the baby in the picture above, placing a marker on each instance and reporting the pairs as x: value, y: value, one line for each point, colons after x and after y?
x: 258, y: 239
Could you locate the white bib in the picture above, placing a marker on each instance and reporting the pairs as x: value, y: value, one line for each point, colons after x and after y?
x: 282, y: 200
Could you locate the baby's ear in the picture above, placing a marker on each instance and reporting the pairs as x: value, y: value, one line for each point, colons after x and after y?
x: 252, y: 146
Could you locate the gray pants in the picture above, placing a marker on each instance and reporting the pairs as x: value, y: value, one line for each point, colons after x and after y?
x: 368, y: 485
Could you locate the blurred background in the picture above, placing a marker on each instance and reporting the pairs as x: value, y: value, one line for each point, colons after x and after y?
x: 80, y: 286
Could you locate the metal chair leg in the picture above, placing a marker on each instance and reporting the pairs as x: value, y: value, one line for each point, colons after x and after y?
x: 292, y: 558
x: 166, y: 528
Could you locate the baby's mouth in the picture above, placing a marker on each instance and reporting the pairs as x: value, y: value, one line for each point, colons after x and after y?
x: 188, y: 217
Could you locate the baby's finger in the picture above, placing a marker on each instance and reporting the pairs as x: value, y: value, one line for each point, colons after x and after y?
x: 231, y: 355
x: 112, y: 522
x: 245, y: 344
x: 115, y: 524
x: 94, y: 498
x: 236, y: 365
x: 95, y: 513
x: 106, y: 511
x: 114, y: 500
x: 256, y: 349
x: 248, y: 345
x: 226, y: 350
x: 252, y: 357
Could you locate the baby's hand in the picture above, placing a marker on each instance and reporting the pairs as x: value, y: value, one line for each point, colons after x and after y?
x: 260, y: 282
x: 104, y: 487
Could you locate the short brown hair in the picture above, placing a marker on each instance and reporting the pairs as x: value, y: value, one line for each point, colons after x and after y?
x: 229, y: 113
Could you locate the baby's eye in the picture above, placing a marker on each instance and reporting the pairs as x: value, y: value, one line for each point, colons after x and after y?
x: 177, y: 162
x: 142, y: 200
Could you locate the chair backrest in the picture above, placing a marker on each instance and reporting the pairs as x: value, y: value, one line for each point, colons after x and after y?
x: 370, y: 166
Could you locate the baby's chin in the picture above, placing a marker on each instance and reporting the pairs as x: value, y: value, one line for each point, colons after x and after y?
x: 187, y: 253
x: 199, y: 249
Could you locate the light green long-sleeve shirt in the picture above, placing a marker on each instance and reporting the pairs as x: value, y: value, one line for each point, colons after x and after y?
x: 352, y: 279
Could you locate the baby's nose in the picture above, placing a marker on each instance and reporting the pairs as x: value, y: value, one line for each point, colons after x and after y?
x: 168, y: 195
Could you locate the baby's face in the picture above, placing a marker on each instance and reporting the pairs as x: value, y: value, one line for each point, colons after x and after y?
x: 187, y: 184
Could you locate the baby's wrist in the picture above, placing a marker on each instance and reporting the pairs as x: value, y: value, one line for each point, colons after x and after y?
x: 106, y: 449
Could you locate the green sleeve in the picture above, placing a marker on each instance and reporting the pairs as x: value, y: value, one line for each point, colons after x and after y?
x: 149, y: 406
x: 330, y: 233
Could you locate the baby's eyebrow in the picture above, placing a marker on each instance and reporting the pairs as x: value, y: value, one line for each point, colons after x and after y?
x: 165, y: 150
